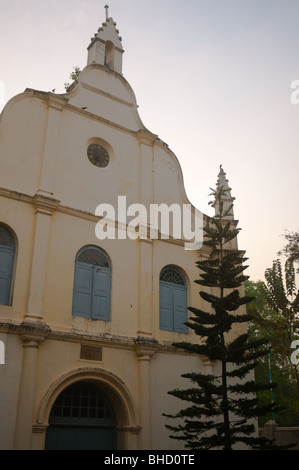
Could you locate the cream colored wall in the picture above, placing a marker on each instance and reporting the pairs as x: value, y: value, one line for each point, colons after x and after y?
x: 19, y: 217
x: 43, y: 144
x: 163, y: 381
x: 21, y: 143
x: 125, y: 258
x: 141, y: 168
x: 124, y: 276
x: 10, y: 374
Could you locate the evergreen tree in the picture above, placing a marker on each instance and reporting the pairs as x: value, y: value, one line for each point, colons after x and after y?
x: 221, y: 408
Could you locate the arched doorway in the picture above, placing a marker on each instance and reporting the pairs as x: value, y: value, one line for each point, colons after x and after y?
x: 82, y: 418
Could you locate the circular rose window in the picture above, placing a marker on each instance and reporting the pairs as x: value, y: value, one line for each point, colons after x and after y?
x: 98, y: 155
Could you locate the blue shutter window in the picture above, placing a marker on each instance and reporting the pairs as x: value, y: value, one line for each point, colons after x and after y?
x: 173, y: 301
x: 7, y: 255
x: 92, y: 283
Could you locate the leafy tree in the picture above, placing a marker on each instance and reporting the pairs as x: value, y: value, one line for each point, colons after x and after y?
x: 285, y: 392
x: 280, y: 315
x: 283, y: 299
x: 222, y: 407
x: 291, y: 250
x: 74, y: 74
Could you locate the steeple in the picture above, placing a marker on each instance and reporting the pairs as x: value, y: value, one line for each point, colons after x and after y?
x: 227, y: 198
x: 106, y: 47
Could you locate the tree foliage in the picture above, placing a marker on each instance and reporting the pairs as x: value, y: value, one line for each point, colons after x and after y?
x: 221, y: 407
x: 73, y: 76
x: 279, y: 315
x: 263, y: 323
x: 291, y: 249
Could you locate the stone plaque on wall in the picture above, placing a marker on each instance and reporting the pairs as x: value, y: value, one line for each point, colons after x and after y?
x: 91, y: 353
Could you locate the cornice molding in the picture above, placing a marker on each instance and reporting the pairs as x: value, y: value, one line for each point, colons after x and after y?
x: 37, y: 331
x: 45, y: 204
x: 53, y: 100
x: 106, y: 95
x: 34, y: 331
x: 48, y: 205
x: 146, y: 348
x: 146, y: 137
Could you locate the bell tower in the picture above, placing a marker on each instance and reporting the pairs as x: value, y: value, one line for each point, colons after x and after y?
x: 106, y: 47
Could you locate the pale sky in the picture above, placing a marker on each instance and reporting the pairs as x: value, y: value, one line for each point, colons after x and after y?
x: 212, y: 78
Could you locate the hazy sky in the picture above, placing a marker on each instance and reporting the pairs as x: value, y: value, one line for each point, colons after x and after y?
x: 212, y: 78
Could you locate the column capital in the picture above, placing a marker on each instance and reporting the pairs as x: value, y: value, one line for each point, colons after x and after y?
x: 146, y: 137
x: 34, y: 332
x: 146, y: 348
x: 39, y: 428
x: 128, y: 428
x: 56, y: 102
x: 45, y: 204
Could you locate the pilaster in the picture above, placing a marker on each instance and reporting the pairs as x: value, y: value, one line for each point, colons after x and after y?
x: 55, y: 106
x: 145, y: 350
x: 32, y: 333
x: 146, y: 197
x: 44, y: 208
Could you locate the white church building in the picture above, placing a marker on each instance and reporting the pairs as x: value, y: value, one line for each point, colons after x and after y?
x: 92, y: 292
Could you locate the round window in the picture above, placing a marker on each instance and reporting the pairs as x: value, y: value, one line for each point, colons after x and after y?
x: 98, y: 155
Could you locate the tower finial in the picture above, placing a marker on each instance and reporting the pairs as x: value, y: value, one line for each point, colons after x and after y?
x: 106, y: 48
x: 107, y: 14
x: 227, y: 198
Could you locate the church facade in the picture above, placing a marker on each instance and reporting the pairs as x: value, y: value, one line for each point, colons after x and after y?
x: 91, y: 298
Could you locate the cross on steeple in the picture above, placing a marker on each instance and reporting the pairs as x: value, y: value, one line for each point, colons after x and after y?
x: 107, y: 14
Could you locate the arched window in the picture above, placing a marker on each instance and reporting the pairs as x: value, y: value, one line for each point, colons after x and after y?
x: 91, y: 297
x: 173, y: 301
x: 109, y: 54
x: 7, y: 256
